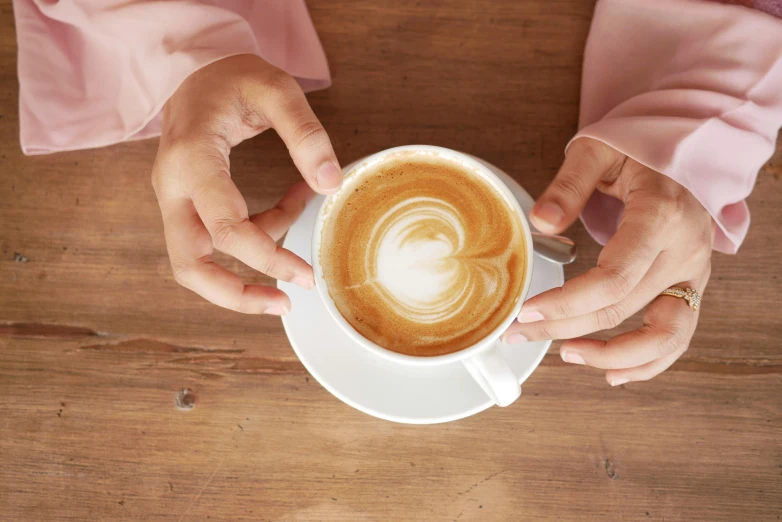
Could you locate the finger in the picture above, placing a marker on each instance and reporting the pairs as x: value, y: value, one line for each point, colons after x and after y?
x: 224, y: 213
x: 291, y: 116
x: 190, y: 247
x: 276, y: 221
x: 669, y: 323
x: 666, y: 270
x: 224, y: 288
x: 622, y: 264
x: 587, y: 161
x: 645, y: 371
x: 602, y: 319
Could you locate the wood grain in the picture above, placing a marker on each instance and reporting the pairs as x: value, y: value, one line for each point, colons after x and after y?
x: 97, y: 342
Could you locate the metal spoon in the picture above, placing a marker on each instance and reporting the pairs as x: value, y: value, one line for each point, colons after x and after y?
x: 557, y: 249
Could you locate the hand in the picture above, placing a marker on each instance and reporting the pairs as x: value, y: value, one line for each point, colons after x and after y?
x: 664, y: 239
x: 213, y: 110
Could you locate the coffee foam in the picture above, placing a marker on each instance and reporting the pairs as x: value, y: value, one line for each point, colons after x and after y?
x: 421, y: 256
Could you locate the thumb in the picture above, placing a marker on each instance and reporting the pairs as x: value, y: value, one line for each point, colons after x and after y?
x: 587, y: 162
x: 307, y: 141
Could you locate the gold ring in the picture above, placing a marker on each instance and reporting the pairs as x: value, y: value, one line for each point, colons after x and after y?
x: 688, y: 294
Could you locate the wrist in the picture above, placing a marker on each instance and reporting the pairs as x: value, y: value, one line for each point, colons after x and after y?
x: 221, y: 100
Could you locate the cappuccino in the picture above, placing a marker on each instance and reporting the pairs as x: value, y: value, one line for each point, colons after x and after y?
x: 421, y: 255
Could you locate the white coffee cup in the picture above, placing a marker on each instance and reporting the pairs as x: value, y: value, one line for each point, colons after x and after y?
x: 483, y: 360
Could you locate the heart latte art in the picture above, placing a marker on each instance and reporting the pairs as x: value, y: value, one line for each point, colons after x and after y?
x: 422, y: 256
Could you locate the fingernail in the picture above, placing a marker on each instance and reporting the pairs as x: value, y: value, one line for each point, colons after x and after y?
x: 275, y: 311
x: 572, y: 357
x: 549, y: 213
x: 303, y: 282
x: 516, y: 338
x: 618, y: 382
x: 329, y: 177
x: 530, y: 317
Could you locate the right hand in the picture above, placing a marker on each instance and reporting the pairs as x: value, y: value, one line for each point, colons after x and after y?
x: 214, y: 109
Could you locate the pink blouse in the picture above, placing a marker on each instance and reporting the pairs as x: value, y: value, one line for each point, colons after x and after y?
x: 95, y: 73
x: 693, y: 89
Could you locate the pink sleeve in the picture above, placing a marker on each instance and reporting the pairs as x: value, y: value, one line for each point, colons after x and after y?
x: 693, y: 90
x: 97, y: 73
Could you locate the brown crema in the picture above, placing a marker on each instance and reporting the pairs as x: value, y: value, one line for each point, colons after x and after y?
x: 422, y: 256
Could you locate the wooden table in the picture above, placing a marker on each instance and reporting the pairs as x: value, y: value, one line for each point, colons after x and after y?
x: 96, y: 339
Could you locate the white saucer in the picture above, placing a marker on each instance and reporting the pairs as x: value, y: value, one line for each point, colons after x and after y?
x: 383, y: 388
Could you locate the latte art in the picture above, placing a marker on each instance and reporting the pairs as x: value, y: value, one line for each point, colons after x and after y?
x: 416, y: 256
x: 422, y: 257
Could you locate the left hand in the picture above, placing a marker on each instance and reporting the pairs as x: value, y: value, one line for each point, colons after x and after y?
x: 664, y: 239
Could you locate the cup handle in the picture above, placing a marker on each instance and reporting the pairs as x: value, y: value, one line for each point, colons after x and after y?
x: 493, y: 373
